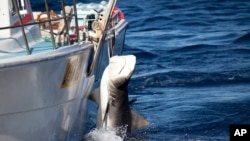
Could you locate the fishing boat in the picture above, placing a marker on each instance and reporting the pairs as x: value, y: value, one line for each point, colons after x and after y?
x: 50, y: 61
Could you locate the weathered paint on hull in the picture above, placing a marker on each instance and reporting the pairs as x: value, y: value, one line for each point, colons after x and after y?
x: 39, y: 99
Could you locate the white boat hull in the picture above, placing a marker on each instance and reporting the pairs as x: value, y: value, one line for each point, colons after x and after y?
x: 40, y: 98
x: 40, y: 101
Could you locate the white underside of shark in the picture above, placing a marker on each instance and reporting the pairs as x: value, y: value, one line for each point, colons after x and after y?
x: 113, y: 109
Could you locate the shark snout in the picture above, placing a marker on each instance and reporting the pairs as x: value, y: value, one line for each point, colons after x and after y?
x: 122, y: 66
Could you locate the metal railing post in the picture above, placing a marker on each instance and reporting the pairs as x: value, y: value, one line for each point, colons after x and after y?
x: 50, y: 24
x: 76, y: 21
x: 65, y: 21
x: 22, y: 27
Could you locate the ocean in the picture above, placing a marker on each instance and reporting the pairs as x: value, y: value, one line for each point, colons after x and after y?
x: 192, y: 76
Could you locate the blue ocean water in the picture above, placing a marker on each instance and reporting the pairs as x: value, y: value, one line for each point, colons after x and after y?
x: 192, y: 77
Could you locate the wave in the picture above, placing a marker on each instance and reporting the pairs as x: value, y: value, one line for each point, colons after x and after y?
x: 242, y: 51
x: 140, y: 52
x: 205, y: 49
x: 193, y: 23
x: 243, y: 39
x: 194, y: 48
x: 191, y: 78
x: 156, y: 19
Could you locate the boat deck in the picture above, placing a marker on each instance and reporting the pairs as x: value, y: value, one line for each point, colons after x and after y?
x: 40, y: 47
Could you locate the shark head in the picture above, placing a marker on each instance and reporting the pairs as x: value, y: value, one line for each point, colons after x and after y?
x: 121, y: 69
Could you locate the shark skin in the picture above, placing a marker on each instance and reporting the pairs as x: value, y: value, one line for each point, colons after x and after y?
x: 112, y: 96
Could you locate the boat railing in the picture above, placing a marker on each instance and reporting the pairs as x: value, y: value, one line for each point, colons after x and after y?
x: 64, y: 16
x: 22, y: 27
x: 115, y: 18
x: 72, y: 37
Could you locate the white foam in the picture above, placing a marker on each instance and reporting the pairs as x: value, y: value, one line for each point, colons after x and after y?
x: 103, y: 134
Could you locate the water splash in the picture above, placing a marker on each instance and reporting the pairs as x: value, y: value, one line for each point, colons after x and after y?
x: 103, y: 134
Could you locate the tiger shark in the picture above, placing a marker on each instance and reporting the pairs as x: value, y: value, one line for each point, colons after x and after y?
x: 112, y: 96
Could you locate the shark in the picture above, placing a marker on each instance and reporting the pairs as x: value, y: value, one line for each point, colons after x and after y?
x: 112, y: 96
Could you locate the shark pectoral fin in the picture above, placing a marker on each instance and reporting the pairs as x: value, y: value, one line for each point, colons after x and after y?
x: 137, y: 121
x: 95, y: 96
